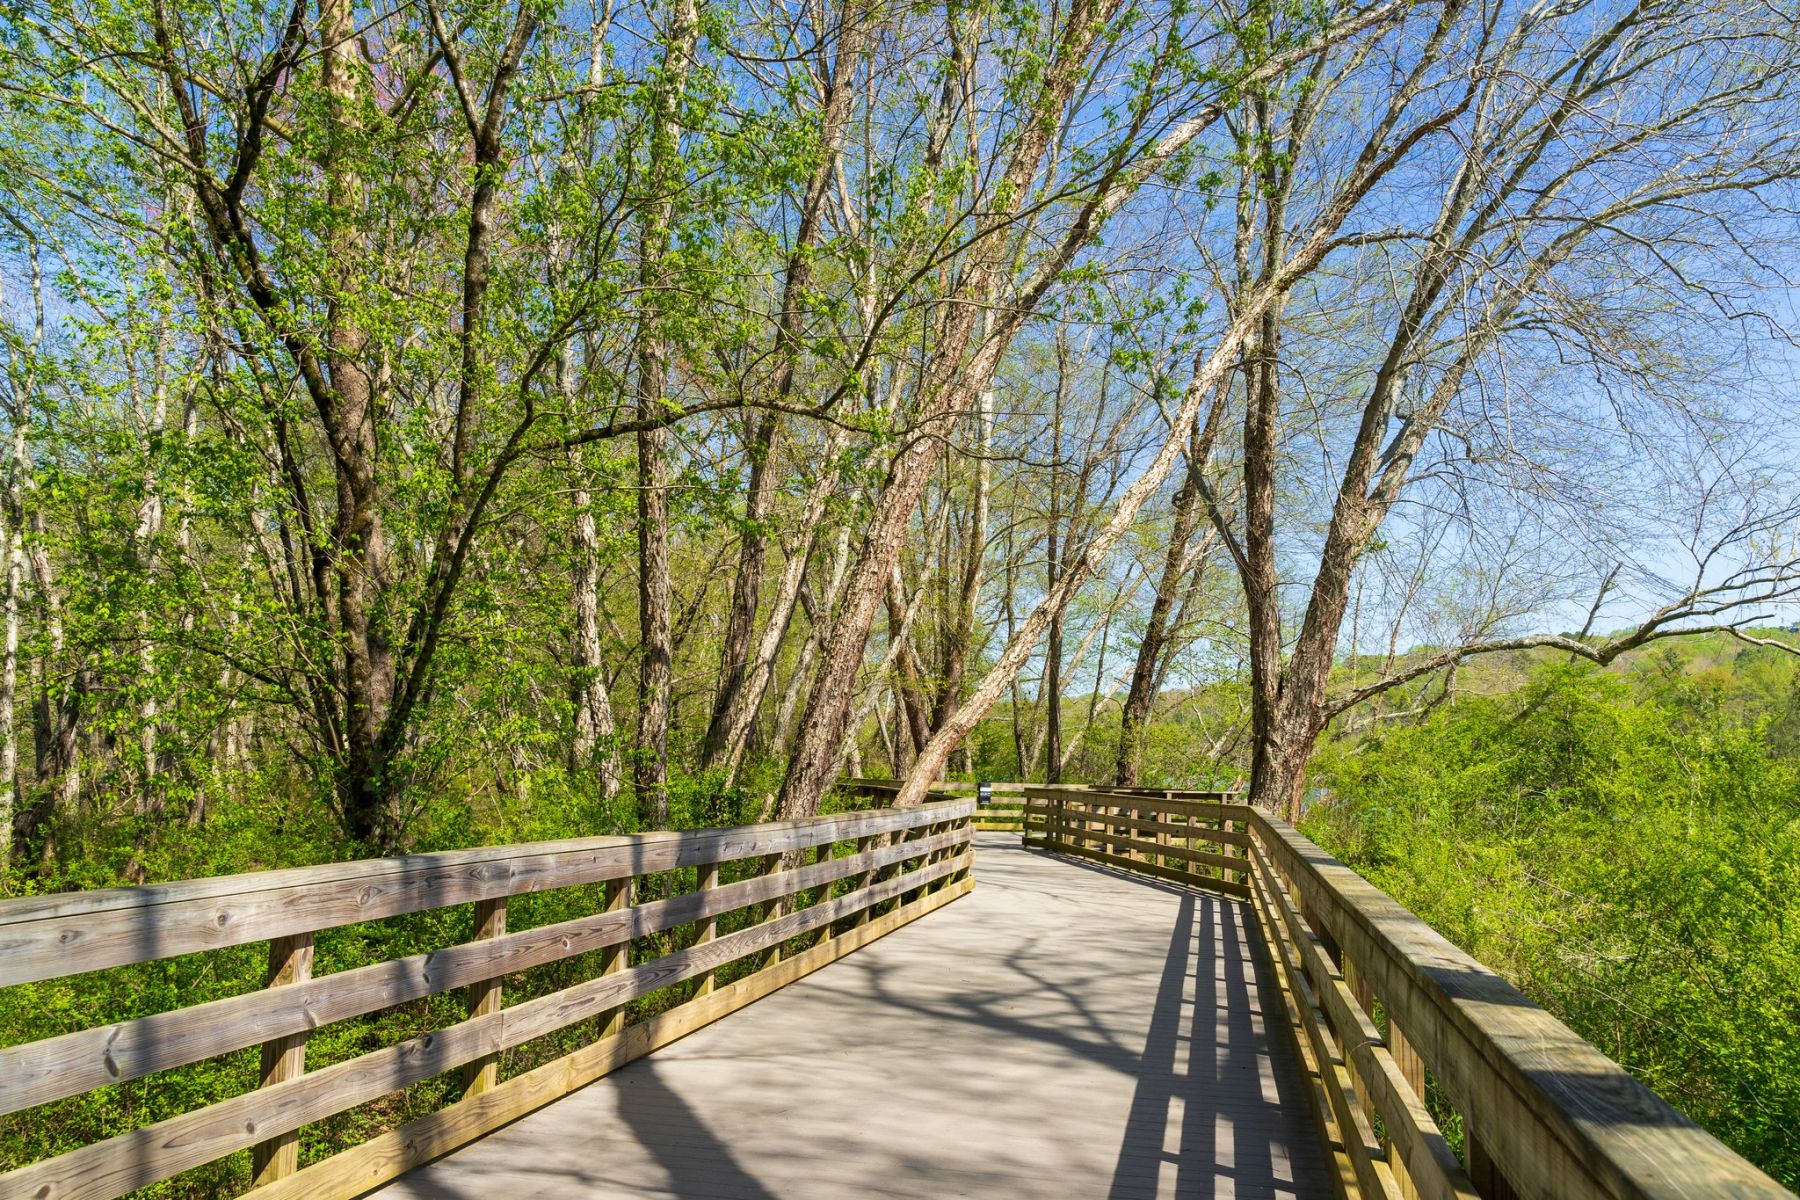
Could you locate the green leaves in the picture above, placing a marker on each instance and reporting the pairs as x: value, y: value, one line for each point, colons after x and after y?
x: 1627, y: 850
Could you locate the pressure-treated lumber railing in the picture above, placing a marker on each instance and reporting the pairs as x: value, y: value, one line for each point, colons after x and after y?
x: 1001, y: 810
x: 1378, y: 1002
x: 1196, y: 837
x: 905, y: 862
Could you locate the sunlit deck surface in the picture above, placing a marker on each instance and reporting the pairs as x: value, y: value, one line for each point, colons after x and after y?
x: 1064, y: 1031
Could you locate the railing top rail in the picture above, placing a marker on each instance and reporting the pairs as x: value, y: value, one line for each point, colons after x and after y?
x: 736, y: 938
x: 1516, y: 1069
x: 942, y: 789
x: 1215, y: 805
x: 44, y: 937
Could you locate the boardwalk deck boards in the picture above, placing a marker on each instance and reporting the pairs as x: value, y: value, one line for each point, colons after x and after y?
x: 1065, y: 1031
x: 1119, y: 1010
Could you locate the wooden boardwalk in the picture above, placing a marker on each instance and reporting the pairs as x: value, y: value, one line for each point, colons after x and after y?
x: 1064, y: 1031
x: 1074, y: 1027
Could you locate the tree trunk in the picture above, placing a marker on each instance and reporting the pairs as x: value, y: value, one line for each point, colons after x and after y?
x: 819, y: 616
x: 746, y: 591
x: 56, y: 716
x: 1146, y: 672
x: 9, y: 687
x: 787, y: 597
x: 595, y: 740
x: 347, y: 411
x: 650, y: 767
x: 835, y: 108
x: 961, y: 637
x: 908, y: 695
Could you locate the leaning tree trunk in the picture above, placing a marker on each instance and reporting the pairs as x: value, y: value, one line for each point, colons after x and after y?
x: 650, y: 769
x: 961, y: 637
x: 1147, y: 671
x: 595, y: 731
x: 836, y: 106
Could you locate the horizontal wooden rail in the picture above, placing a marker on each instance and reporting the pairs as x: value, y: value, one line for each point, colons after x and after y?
x: 945, y: 787
x: 916, y: 858
x: 1380, y: 1006
x: 1001, y: 812
x: 51, y: 936
x: 1544, y: 1112
x: 1110, y: 827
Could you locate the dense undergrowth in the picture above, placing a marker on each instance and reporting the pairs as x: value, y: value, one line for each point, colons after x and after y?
x: 1626, y: 849
x: 1624, y: 845
x: 261, y: 836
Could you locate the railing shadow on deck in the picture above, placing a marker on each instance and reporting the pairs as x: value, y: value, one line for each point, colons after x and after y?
x: 1253, y: 1157
x: 1383, y: 1011
x: 902, y: 864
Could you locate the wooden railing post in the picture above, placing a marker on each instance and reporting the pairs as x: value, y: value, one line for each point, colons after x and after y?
x: 1190, y: 820
x: 938, y: 855
x: 1243, y: 851
x: 771, y: 864
x: 968, y: 830
x: 863, y: 845
x: 1484, y: 1172
x: 709, y: 928
x: 824, y: 893
x: 484, y: 997
x: 616, y: 958
x: 283, y: 1058
x: 913, y: 833
x: 1412, y: 1069
x: 1359, y: 987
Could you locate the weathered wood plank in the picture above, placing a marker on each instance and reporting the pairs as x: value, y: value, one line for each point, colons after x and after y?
x: 389, y: 1155
x: 47, y: 936
x: 111, y: 1168
x: 55, y: 1068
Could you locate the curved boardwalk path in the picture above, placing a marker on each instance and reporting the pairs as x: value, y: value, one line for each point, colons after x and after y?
x: 1065, y: 1031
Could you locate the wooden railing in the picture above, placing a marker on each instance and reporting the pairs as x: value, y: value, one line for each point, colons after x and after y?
x: 895, y: 865
x: 1001, y: 810
x: 1384, y: 1011
x: 1190, y: 837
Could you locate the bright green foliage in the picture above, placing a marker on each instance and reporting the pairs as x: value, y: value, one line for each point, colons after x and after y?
x: 1626, y: 849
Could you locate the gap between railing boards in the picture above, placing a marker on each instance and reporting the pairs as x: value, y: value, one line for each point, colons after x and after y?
x: 1384, y: 1012
x: 870, y: 872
